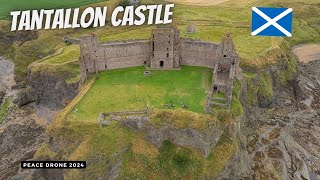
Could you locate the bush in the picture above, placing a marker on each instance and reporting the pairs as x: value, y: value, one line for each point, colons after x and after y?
x: 182, y: 159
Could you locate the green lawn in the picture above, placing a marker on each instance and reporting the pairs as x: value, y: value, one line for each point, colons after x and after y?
x: 16, y: 5
x: 129, y: 89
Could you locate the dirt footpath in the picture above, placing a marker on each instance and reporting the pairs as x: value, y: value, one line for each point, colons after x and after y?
x: 307, y: 53
x: 199, y: 2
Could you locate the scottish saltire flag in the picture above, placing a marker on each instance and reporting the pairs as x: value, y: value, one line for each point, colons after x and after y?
x: 271, y: 21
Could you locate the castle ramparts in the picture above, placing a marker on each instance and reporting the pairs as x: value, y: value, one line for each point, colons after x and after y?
x: 165, y: 50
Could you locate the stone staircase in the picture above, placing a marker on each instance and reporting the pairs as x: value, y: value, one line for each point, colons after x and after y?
x: 213, y: 101
x: 218, y: 102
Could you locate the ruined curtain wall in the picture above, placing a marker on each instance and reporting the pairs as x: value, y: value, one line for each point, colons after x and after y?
x: 197, y: 53
x: 115, y: 55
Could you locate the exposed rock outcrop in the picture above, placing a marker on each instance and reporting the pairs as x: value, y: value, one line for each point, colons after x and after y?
x: 52, y: 89
x: 282, y: 141
x: 135, y: 122
x: 25, y: 96
x: 18, y: 36
x: 20, y: 137
x: 48, y: 174
x: 308, y: 85
x: 44, y: 174
x: 48, y: 89
x: 23, y: 129
x: 204, y: 141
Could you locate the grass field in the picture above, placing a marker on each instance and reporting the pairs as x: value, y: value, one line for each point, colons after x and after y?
x: 16, y: 5
x: 129, y: 89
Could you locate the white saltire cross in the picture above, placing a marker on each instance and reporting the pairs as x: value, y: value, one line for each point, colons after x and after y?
x: 271, y: 21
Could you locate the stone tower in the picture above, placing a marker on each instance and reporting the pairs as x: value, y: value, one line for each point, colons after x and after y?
x: 88, y: 54
x: 165, y: 48
x: 225, y: 70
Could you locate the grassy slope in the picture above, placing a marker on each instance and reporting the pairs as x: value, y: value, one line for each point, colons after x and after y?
x: 65, y: 60
x: 103, y: 146
x: 64, y: 55
x: 172, y: 162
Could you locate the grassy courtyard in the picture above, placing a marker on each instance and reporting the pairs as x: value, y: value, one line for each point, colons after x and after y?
x: 130, y: 89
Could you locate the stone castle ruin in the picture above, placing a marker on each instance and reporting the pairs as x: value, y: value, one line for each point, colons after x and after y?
x: 165, y: 50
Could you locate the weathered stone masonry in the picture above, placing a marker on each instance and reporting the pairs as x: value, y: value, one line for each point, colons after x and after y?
x: 164, y: 50
x: 97, y: 56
